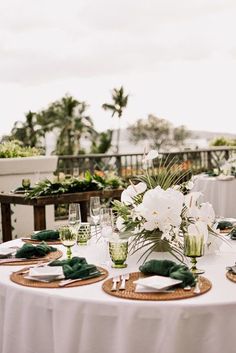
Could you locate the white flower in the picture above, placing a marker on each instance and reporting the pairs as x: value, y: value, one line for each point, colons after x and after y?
x: 132, y: 190
x: 120, y: 224
x: 161, y: 208
x: 190, y: 185
x: 191, y: 199
x: 149, y: 157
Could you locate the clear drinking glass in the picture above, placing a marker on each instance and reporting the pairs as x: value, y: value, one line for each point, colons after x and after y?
x: 194, y: 248
x: 95, y: 207
x: 118, y: 250
x: 68, y: 239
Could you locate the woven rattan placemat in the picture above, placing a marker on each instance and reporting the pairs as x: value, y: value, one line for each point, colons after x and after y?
x: 129, y: 292
x: 230, y: 275
x: 34, y: 241
x: 54, y: 255
x: 18, y: 277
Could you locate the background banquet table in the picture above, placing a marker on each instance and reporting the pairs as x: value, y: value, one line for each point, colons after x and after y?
x: 220, y: 193
x: 87, y: 320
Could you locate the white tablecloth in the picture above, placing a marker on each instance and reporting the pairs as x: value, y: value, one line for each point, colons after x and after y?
x: 221, y: 194
x: 87, y: 320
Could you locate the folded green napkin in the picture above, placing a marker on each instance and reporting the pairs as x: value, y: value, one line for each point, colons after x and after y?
x: 29, y: 250
x: 21, y: 189
x: 232, y: 234
x: 46, y: 235
x: 77, y: 267
x: 169, y: 268
x: 224, y: 225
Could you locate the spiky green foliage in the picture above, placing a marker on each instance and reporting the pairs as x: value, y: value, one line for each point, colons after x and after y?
x: 88, y: 183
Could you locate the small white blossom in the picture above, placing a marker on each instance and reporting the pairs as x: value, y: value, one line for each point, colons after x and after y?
x: 120, y: 224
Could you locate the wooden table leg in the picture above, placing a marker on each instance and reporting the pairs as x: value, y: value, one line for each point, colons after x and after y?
x: 83, y: 210
x: 39, y: 218
x: 6, y: 222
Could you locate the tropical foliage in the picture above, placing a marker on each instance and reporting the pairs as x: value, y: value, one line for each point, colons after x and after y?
x: 158, y: 132
x: 223, y: 141
x: 88, y: 183
x: 29, y: 132
x: 102, y: 142
x: 120, y: 101
x: 13, y: 149
x: 156, y: 211
x: 68, y: 117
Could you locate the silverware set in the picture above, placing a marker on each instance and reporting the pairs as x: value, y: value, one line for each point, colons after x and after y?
x: 117, y: 279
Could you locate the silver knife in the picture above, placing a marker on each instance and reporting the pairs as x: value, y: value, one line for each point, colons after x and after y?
x: 3, y: 261
x: 63, y: 283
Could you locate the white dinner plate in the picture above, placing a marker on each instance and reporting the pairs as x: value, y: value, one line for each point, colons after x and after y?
x: 46, y: 272
x: 225, y: 177
x: 6, y: 252
x: 157, y: 282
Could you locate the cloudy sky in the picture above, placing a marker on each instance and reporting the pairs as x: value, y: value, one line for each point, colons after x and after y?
x: 176, y: 59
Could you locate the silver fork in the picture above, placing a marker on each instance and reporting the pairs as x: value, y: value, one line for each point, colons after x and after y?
x: 115, y: 280
x: 124, y: 278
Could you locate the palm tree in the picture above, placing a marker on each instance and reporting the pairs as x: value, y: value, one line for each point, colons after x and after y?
x: 68, y: 117
x: 28, y: 132
x: 119, y: 103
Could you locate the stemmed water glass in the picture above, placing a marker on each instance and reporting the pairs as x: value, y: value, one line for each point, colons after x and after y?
x: 193, y: 248
x: 107, y: 227
x: 74, y: 217
x: 95, y: 207
x: 68, y: 239
x: 26, y: 183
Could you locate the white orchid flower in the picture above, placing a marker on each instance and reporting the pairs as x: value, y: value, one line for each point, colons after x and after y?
x: 161, y: 208
x: 192, y: 198
x: 149, y: 157
x: 120, y: 224
x: 190, y: 185
x: 132, y: 190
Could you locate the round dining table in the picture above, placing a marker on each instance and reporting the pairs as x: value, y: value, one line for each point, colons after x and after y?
x: 85, y: 319
x: 220, y: 193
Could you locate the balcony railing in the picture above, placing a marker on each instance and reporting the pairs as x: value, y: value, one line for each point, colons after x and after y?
x: 128, y: 165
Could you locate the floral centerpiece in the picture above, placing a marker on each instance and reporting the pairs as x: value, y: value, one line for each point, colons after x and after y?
x: 159, y: 209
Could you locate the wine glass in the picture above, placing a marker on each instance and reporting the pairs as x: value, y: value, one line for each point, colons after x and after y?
x: 107, y: 227
x: 106, y: 222
x: 95, y: 207
x: 74, y: 217
x: 193, y: 248
x: 68, y: 239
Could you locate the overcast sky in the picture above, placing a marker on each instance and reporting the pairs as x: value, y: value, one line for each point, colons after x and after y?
x: 176, y: 59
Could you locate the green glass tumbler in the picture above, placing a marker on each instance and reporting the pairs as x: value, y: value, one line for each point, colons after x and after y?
x: 118, y: 251
x: 84, y: 233
x: 194, y: 248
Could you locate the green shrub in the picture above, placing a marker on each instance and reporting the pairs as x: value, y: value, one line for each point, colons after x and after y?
x: 12, y: 149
